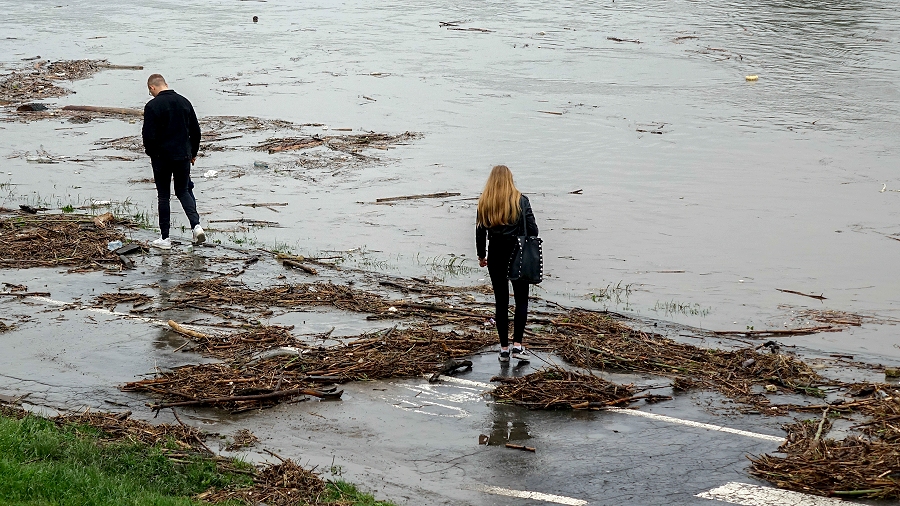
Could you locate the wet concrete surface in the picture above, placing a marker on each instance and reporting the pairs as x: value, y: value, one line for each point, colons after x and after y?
x: 405, y: 440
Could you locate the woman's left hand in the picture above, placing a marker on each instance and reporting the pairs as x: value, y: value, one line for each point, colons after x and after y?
x: 482, y: 262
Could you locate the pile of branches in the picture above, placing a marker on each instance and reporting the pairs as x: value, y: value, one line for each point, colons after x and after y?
x: 38, y: 80
x: 265, y: 367
x: 119, y: 426
x: 596, y: 341
x: 227, y: 387
x: 352, y: 143
x: 217, y: 296
x: 858, y: 466
x: 395, y: 353
x: 215, y: 130
x: 111, y: 300
x: 556, y: 388
x: 55, y: 240
x: 236, y: 347
x: 281, y: 484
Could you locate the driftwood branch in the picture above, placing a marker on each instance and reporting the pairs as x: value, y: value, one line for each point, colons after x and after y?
x: 777, y: 332
x: 186, y: 331
x: 298, y: 265
x: 439, y: 195
x: 819, y: 297
x: 109, y: 110
x: 257, y: 397
x: 520, y: 447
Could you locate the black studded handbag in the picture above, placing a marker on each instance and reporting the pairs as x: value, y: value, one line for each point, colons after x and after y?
x: 527, y: 260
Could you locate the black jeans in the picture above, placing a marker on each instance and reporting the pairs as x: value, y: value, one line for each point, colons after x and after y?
x: 179, y: 171
x: 499, y: 252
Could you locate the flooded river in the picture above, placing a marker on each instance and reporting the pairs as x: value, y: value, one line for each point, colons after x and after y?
x: 697, y: 194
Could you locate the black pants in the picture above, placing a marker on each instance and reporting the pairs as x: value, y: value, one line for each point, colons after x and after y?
x: 499, y: 252
x: 179, y: 171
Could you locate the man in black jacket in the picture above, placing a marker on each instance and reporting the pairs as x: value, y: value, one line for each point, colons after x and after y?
x: 172, y: 139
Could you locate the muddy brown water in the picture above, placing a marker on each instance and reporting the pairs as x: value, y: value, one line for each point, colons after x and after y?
x: 748, y: 187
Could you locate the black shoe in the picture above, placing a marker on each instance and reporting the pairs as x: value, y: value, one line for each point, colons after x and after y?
x: 504, y: 356
x: 520, y: 353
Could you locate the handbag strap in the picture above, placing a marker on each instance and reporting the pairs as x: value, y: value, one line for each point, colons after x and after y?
x: 524, y: 226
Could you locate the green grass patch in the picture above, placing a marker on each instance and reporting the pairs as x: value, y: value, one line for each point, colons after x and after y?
x: 341, y: 491
x: 41, y: 463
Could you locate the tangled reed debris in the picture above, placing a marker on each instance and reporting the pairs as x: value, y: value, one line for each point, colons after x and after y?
x: 281, y: 484
x: 351, y: 143
x: 38, y: 80
x: 858, y: 466
x: 216, y: 294
x: 556, y: 388
x: 111, y: 300
x: 254, y: 377
x: 243, y: 438
x: 119, y: 426
x: 597, y: 341
x: 55, y: 240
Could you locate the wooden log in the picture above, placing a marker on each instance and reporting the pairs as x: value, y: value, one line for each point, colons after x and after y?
x: 520, y: 447
x: 186, y: 331
x: 422, y: 196
x: 298, y: 265
x: 27, y: 294
x: 126, y: 262
x: 120, y: 67
x: 108, y: 110
x: 819, y: 297
x: 257, y: 397
x: 777, y: 332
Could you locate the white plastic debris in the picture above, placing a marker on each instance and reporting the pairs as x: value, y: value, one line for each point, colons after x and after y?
x: 210, y: 173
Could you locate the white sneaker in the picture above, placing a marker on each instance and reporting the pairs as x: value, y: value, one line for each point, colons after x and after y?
x: 162, y: 243
x: 199, y: 235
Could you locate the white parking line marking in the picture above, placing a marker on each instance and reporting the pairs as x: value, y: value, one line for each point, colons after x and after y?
x: 756, y: 495
x: 460, y: 381
x: 537, y: 496
x: 689, y: 423
x: 654, y: 416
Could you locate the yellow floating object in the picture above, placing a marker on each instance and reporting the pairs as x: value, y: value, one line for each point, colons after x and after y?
x: 752, y: 78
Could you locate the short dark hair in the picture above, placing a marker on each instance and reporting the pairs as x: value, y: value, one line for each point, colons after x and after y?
x: 157, y: 80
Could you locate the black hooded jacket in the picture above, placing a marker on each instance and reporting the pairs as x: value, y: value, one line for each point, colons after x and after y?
x: 506, y: 231
x: 171, y: 131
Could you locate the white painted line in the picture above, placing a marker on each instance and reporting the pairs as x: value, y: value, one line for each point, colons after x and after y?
x: 537, y: 496
x: 460, y: 381
x: 756, y: 495
x: 689, y: 423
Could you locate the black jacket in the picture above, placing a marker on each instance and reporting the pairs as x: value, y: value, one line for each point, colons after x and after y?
x: 506, y: 231
x: 171, y: 131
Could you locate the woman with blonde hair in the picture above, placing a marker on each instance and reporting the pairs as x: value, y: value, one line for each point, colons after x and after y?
x: 501, y: 211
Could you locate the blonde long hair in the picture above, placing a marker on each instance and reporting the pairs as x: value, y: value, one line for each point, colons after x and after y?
x: 499, y: 202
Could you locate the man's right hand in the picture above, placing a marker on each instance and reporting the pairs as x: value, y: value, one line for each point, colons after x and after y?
x: 194, y: 159
x: 482, y: 262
